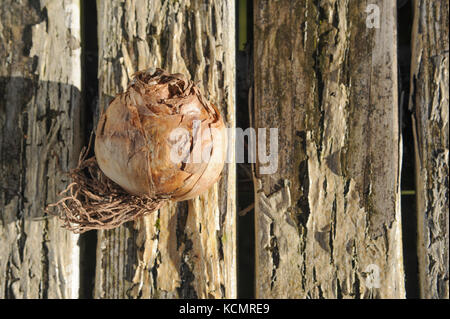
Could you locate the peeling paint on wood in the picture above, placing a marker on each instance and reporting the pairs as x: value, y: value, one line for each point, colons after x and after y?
x: 186, y: 249
x: 40, y: 84
x: 429, y: 103
x: 329, y: 84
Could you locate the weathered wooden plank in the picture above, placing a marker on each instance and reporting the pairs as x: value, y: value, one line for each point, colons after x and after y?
x: 185, y: 249
x: 327, y: 222
x: 429, y: 103
x: 40, y: 83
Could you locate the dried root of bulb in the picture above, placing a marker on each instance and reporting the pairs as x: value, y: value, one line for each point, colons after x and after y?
x: 93, y: 201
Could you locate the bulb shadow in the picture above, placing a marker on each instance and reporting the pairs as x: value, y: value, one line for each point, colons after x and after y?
x: 43, y: 126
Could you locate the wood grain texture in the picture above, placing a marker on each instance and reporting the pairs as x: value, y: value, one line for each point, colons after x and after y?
x: 429, y: 103
x: 328, y: 222
x: 40, y: 83
x: 186, y: 249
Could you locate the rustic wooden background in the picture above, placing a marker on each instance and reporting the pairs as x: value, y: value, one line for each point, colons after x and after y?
x: 330, y: 223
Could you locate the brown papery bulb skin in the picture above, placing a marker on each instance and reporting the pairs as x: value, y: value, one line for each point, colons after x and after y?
x: 138, y: 132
